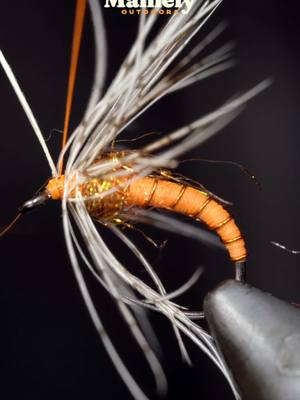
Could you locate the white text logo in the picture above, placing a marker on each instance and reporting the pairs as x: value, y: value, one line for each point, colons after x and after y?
x: 183, y: 6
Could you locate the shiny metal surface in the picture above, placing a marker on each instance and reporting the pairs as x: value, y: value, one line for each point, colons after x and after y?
x: 259, y: 336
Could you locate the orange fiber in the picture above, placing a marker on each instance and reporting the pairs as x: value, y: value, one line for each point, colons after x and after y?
x: 159, y: 193
x: 77, y: 34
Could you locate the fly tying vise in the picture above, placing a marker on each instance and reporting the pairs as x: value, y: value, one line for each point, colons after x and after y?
x: 99, y: 184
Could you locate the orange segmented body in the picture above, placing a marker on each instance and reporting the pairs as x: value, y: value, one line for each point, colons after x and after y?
x: 192, y: 202
x: 158, y: 193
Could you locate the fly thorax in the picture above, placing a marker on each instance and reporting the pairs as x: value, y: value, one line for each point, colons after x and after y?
x: 107, y: 197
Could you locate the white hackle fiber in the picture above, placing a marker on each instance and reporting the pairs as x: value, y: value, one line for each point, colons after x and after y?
x: 281, y: 246
x: 100, y: 55
x: 20, y: 95
x: 151, y: 70
x: 172, y: 224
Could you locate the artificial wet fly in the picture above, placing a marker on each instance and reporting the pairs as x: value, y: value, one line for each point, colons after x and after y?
x: 95, y: 183
x: 112, y: 198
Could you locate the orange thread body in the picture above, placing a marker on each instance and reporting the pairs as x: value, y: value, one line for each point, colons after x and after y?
x: 193, y: 203
x: 55, y: 187
x: 159, y: 193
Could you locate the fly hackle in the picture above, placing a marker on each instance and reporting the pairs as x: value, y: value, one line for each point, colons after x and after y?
x: 38, y: 200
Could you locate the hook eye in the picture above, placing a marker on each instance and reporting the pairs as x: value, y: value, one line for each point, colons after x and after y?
x: 38, y: 200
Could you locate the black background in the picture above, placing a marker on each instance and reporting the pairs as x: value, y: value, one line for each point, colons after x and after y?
x: 49, y: 348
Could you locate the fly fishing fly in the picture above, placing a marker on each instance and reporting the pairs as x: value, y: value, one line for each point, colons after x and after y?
x: 98, y: 183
